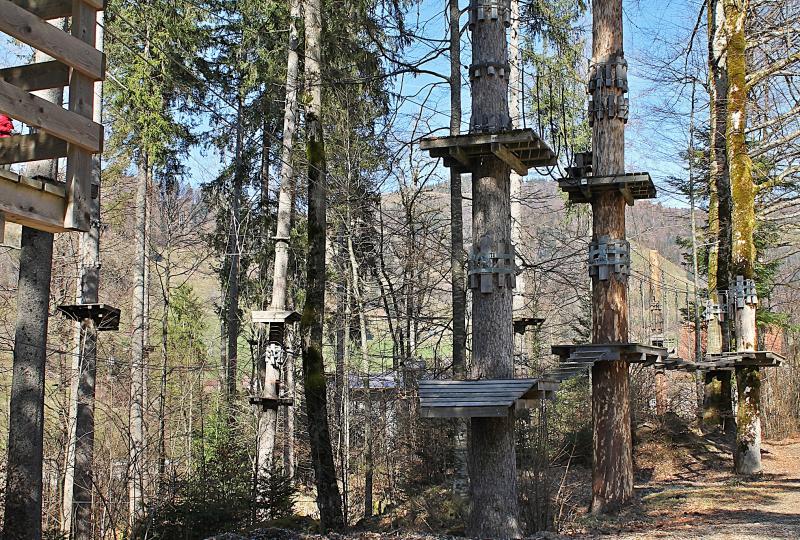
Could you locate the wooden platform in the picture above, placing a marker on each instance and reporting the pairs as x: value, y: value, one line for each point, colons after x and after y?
x: 275, y: 316
x: 521, y: 149
x: 104, y: 316
x: 633, y: 186
x: 633, y: 353
x: 56, y: 131
x: 483, y: 399
x: 39, y: 203
x: 521, y: 324
x: 270, y: 404
x: 732, y: 360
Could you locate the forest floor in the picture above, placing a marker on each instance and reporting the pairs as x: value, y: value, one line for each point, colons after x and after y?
x: 685, y: 489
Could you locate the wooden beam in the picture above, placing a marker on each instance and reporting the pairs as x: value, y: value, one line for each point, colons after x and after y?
x: 509, y: 158
x: 464, y: 412
x: 458, y: 154
x: 81, y: 101
x: 49, y: 117
x: 32, y: 202
x: 35, y: 147
x: 39, y: 76
x: 41, y: 35
x: 53, y: 9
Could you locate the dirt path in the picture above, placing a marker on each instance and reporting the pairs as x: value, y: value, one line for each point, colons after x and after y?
x: 701, y: 498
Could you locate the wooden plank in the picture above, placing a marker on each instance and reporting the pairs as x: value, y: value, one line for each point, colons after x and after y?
x: 81, y: 101
x: 464, y: 412
x: 458, y: 154
x: 480, y: 382
x: 509, y: 158
x: 53, y: 9
x: 42, y: 114
x: 39, y: 34
x: 29, y: 202
x: 34, y: 147
x: 38, y: 76
x: 473, y: 392
x: 478, y: 387
x: 467, y: 403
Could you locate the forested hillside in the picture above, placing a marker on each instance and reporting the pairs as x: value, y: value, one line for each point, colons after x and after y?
x: 493, y: 269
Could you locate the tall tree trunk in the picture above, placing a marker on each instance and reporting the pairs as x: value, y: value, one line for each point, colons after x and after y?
x: 459, y: 294
x: 343, y: 386
x: 612, y: 471
x: 138, y: 341
x: 268, y: 419
x: 718, y: 407
x: 492, y: 458
x: 329, y: 500
x: 365, y: 368
x: 23, y: 504
x: 743, y: 253
x: 657, y: 328
x: 78, y: 483
x: 162, y: 393
x: 232, y: 253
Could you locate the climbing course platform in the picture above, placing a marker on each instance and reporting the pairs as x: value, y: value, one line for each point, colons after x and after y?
x: 48, y: 203
x: 732, y: 360
x: 105, y: 317
x: 581, y: 186
x: 482, y: 398
x: 520, y: 149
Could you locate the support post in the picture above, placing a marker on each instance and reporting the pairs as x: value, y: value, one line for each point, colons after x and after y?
x: 612, y: 470
x: 78, y: 483
x: 492, y: 458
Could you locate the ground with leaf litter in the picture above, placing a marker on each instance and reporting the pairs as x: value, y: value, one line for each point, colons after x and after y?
x: 685, y: 489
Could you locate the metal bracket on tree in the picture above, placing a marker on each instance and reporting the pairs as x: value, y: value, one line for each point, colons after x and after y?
x: 488, y: 261
x: 607, y: 256
x: 608, y: 84
x: 714, y: 311
x: 745, y: 292
x: 488, y: 69
x: 489, y: 10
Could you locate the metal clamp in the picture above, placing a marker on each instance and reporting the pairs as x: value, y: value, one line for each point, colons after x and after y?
x: 482, y: 123
x: 744, y: 292
x: 489, y: 11
x: 612, y: 74
x: 608, y: 107
x: 490, y: 266
x: 713, y: 311
x: 607, y: 256
x: 488, y: 69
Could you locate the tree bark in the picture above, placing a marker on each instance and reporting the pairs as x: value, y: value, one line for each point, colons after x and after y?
x: 232, y: 254
x: 329, y: 500
x: 743, y: 252
x: 268, y: 419
x: 23, y: 508
x: 23, y: 494
x: 77, y: 502
x: 365, y: 368
x: 492, y: 457
x: 138, y: 340
x: 719, y: 218
x: 612, y: 471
